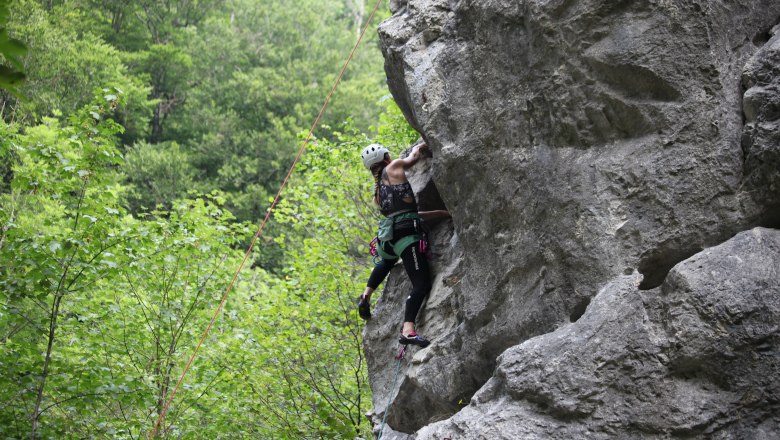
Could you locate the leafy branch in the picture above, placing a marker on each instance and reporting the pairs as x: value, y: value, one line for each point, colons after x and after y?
x: 13, y: 50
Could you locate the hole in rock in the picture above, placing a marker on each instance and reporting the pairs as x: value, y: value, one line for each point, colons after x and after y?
x: 656, y: 264
x: 429, y: 199
x: 761, y: 38
x: 771, y: 218
x: 579, y: 310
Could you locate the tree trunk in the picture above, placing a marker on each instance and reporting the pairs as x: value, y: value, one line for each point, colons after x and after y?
x: 358, y: 13
x: 55, y: 312
x: 156, y: 133
x: 52, y: 327
x: 117, y: 19
x: 11, y: 215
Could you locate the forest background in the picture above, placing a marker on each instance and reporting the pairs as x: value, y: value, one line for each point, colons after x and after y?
x: 141, y: 143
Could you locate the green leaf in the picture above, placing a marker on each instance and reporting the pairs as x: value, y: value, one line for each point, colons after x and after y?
x: 11, y: 79
x: 12, y: 49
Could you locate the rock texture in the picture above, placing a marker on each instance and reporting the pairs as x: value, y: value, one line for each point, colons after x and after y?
x: 584, y: 149
x: 697, y: 357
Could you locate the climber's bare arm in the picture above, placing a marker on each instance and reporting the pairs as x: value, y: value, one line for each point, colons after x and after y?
x: 396, y: 168
x: 434, y: 215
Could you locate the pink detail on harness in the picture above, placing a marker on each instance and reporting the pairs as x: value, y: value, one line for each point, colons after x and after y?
x: 372, y: 247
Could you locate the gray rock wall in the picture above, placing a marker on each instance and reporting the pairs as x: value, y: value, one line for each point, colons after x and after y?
x: 697, y: 357
x: 584, y: 149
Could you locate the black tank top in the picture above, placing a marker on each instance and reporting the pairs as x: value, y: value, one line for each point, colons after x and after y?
x: 395, y: 198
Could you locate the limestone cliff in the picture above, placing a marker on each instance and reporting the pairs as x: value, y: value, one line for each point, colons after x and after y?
x: 613, y: 171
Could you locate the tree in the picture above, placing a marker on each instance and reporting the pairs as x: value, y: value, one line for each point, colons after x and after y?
x: 111, y: 267
x: 162, y: 18
x: 169, y: 69
x: 13, y: 50
x: 63, y: 183
x: 112, y: 302
x: 66, y: 66
x: 262, y: 84
x: 309, y: 378
x: 160, y: 174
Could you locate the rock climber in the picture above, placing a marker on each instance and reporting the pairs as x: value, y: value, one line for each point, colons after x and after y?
x: 400, y: 234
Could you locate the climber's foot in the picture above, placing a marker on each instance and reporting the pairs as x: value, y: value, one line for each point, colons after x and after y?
x: 364, y: 307
x: 413, y: 339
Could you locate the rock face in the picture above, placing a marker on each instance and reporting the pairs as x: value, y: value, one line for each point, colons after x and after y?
x: 696, y: 357
x: 585, y: 149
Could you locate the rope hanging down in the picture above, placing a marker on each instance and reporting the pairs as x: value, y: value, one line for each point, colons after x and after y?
x: 265, y: 220
x: 400, y: 358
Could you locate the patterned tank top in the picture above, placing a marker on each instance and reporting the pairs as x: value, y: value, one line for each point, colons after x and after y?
x: 395, y: 198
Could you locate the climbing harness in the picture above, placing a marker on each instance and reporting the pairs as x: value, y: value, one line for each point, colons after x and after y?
x: 388, y: 225
x: 265, y: 220
x: 400, y: 358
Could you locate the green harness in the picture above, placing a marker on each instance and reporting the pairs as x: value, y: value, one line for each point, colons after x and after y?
x: 385, y: 234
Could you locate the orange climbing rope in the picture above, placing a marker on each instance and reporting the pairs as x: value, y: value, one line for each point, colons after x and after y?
x: 265, y: 220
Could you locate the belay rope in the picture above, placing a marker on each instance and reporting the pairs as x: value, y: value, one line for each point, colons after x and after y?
x: 265, y: 220
x: 400, y: 358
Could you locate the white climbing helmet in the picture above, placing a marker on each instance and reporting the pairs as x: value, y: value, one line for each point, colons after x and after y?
x: 373, y: 154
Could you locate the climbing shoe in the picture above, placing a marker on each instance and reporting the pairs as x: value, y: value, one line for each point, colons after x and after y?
x: 364, y: 307
x: 414, y: 339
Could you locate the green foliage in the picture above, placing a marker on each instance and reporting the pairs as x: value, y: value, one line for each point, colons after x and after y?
x: 13, y: 50
x: 306, y: 331
x: 66, y: 65
x: 262, y: 84
x: 231, y: 83
x: 111, y: 266
x: 58, y: 238
x: 112, y: 301
x: 100, y: 310
x: 160, y: 173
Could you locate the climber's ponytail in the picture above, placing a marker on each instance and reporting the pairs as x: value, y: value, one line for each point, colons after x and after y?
x: 376, y: 171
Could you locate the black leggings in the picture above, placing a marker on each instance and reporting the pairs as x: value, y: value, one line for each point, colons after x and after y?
x: 417, y: 268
